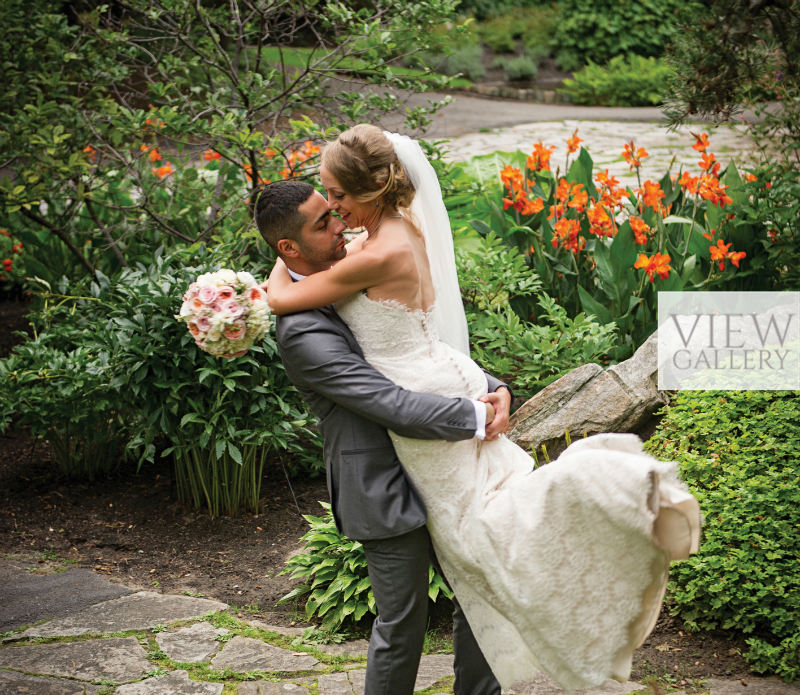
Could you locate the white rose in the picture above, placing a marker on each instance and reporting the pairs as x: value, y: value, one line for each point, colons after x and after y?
x: 225, y: 277
x: 246, y: 278
x: 186, y: 309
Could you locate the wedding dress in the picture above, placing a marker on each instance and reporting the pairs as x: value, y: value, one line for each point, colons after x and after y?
x: 560, y: 569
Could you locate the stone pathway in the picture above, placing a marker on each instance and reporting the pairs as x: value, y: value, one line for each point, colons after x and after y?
x: 604, y: 141
x: 153, y: 644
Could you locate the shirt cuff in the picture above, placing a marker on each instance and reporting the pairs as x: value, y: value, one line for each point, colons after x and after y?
x: 480, y: 419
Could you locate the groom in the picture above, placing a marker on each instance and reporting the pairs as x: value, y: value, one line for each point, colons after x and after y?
x: 372, y: 499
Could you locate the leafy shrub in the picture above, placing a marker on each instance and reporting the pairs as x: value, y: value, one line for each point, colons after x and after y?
x: 334, y: 568
x: 64, y: 397
x: 538, y: 25
x: 466, y: 60
x: 738, y: 453
x: 520, y: 68
x: 601, y: 30
x: 500, y: 33
x: 130, y: 367
x: 12, y: 261
x: 81, y: 168
x: 517, y: 332
x: 625, y: 81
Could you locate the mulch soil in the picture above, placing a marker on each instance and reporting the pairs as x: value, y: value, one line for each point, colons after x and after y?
x: 130, y: 529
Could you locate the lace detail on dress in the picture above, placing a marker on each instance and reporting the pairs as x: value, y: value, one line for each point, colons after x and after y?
x: 561, y: 569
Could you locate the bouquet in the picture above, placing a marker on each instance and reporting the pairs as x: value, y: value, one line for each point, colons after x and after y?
x: 226, y: 312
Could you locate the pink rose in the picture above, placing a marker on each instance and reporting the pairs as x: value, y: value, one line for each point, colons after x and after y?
x: 193, y: 329
x: 191, y: 293
x: 256, y: 294
x: 236, y: 331
x: 234, y: 309
x: 226, y: 292
x: 203, y: 323
x: 216, y: 307
x: 208, y: 294
x: 197, y: 305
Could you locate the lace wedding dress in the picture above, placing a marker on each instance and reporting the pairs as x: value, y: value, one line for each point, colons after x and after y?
x: 561, y: 569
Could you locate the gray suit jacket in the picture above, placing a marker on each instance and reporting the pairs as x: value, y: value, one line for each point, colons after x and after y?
x: 371, y: 497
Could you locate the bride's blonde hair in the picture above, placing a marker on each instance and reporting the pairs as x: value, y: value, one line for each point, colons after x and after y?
x: 363, y: 161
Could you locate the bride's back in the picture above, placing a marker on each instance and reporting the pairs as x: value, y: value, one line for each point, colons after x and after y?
x: 408, y: 277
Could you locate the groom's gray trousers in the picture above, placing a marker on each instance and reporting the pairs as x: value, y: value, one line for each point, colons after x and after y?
x: 371, y: 498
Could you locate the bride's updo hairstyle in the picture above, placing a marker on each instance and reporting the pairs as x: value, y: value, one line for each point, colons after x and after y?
x: 363, y: 161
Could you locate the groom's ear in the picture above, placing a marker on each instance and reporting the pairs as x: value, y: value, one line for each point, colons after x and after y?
x: 288, y: 248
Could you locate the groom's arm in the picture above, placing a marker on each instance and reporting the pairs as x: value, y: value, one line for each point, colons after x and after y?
x: 319, y: 358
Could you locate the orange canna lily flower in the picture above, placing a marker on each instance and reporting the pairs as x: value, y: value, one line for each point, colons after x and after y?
x: 702, y: 142
x: 531, y: 207
x: 90, y: 152
x: 737, y: 256
x: 708, y: 163
x: 657, y: 264
x: 748, y: 177
x: 633, y: 156
x: 512, y: 177
x: 652, y: 195
x: 566, y: 232
x: 600, y: 222
x: 539, y: 159
x: 573, y: 142
x: 605, y: 180
x: 154, y: 155
x: 211, y: 155
x: 163, y: 170
x: 562, y: 191
x: 578, y: 198
x: 688, y: 182
x: 640, y: 230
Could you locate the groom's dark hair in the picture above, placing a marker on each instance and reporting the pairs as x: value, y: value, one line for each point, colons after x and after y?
x: 276, y: 210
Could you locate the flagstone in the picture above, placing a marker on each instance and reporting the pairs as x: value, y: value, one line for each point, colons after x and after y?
x: 243, y: 654
x: 354, y: 648
x: 432, y: 668
x: 175, y: 683
x: 271, y: 688
x: 12, y: 683
x: 118, y: 659
x: 139, y: 611
x: 753, y: 685
x: 191, y: 644
x: 341, y: 684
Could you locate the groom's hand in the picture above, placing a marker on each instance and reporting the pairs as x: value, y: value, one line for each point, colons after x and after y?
x: 500, y: 400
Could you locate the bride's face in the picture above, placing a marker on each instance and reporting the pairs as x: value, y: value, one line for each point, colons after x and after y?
x: 352, y: 212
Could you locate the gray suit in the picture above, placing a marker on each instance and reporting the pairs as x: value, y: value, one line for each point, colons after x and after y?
x: 372, y: 499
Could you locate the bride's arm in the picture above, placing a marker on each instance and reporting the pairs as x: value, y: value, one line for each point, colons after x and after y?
x: 353, y: 273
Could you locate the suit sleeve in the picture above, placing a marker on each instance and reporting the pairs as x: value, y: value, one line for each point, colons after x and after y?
x: 319, y: 358
x: 495, y: 383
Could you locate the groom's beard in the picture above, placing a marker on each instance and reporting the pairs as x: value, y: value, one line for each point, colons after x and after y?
x: 317, y: 259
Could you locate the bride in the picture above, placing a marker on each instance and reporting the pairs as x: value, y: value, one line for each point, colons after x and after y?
x: 561, y: 569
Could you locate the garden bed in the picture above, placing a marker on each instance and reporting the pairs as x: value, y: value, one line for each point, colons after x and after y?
x: 130, y: 530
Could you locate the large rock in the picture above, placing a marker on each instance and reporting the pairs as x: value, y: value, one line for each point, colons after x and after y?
x: 590, y: 400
